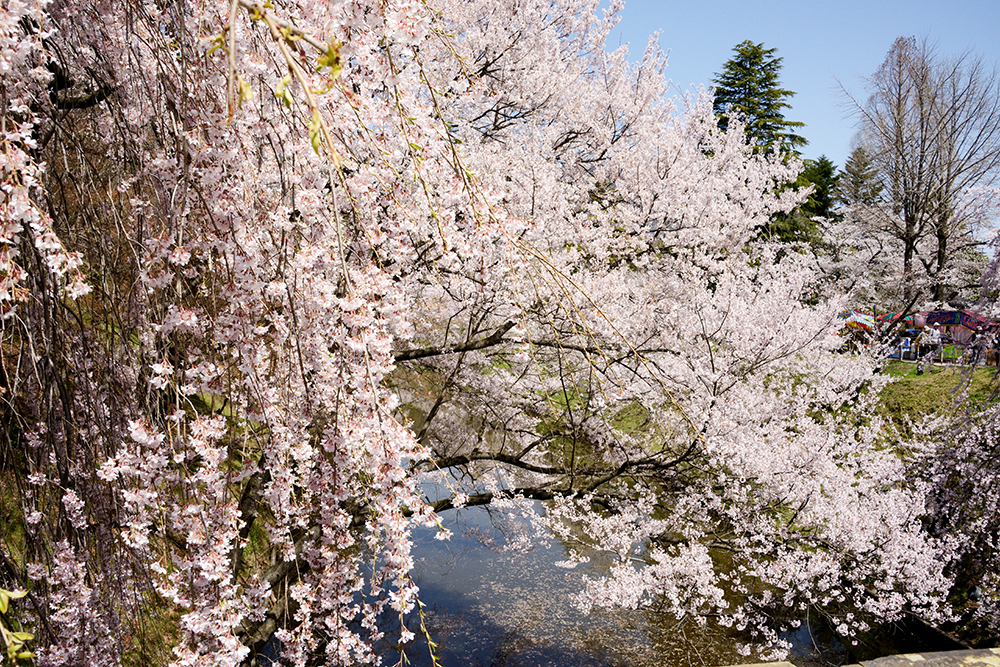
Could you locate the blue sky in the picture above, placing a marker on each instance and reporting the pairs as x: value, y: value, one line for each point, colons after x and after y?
x: 820, y: 42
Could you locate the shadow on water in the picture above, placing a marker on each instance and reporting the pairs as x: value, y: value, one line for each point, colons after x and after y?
x: 910, y: 634
x: 815, y: 645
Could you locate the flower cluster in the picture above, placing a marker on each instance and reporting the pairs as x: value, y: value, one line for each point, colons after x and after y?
x: 336, y: 250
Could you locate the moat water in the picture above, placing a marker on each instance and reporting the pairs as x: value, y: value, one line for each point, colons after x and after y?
x: 487, y: 604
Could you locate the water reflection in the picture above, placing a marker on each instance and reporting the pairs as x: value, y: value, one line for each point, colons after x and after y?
x: 488, y: 605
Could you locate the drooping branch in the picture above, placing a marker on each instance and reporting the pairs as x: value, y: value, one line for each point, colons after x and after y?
x: 515, y: 461
x: 249, y: 510
x: 252, y: 633
x: 261, y: 10
x: 494, y: 339
x: 487, y: 498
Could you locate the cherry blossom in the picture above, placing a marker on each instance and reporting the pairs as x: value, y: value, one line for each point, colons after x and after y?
x: 270, y: 269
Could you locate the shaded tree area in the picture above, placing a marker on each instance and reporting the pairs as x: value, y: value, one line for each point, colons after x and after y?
x: 822, y: 175
x: 805, y: 223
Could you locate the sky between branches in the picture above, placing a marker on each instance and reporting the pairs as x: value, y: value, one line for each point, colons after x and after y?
x: 821, y: 43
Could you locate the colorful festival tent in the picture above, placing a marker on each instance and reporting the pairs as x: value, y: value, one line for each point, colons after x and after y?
x: 961, y: 325
x: 892, y: 317
x: 858, y: 320
x: 964, y: 318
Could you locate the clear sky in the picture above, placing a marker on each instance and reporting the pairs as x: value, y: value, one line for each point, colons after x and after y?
x: 821, y: 42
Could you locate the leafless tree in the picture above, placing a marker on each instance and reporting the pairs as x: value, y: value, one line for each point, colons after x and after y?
x: 931, y: 126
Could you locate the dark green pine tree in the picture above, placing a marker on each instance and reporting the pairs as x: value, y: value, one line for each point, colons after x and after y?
x: 799, y: 226
x: 748, y: 87
x: 822, y: 175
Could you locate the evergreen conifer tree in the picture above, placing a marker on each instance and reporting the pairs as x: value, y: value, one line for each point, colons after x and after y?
x: 858, y: 183
x: 822, y: 175
x: 799, y: 226
x: 748, y: 87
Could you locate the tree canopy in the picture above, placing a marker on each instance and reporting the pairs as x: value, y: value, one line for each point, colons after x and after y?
x: 930, y: 136
x: 800, y: 225
x: 822, y: 175
x: 271, y: 269
x: 858, y: 183
x: 749, y: 88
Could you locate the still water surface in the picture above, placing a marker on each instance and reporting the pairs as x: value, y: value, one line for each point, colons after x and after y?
x: 488, y: 605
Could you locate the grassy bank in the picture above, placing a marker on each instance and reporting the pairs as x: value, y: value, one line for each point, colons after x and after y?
x: 939, y: 390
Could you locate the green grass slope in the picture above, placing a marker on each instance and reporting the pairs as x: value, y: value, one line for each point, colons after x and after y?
x: 939, y: 390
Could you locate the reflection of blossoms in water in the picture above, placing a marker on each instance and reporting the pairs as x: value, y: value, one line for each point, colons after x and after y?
x: 498, y: 604
x: 489, y: 604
